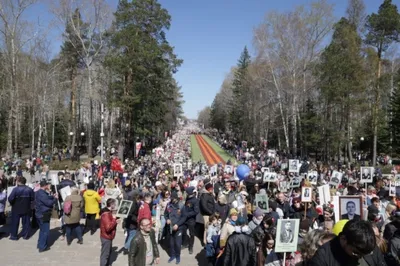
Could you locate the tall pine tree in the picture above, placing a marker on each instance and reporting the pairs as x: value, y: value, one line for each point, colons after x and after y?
x: 237, y: 115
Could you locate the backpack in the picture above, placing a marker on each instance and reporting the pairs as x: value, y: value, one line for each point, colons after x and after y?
x: 67, y: 208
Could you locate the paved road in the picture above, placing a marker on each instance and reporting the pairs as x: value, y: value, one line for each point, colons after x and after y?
x: 24, y: 252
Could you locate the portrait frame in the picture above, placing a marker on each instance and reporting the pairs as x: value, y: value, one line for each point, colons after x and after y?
x: 124, y: 208
x: 261, y: 201
x: 178, y: 170
x: 392, y: 189
x: 312, y: 177
x: 270, y: 177
x: 228, y: 169
x: 306, y: 194
x: 336, y: 178
x: 280, y: 243
x: 370, y: 171
x: 343, y: 212
x: 295, y: 182
x: 294, y: 166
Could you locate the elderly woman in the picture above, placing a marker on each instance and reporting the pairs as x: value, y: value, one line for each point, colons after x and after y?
x: 72, y: 219
x: 312, y: 241
x: 111, y: 192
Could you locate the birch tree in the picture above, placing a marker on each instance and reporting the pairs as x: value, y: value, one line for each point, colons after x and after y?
x: 89, y: 43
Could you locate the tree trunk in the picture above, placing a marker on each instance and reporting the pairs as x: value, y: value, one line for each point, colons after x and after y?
x: 39, y: 138
x: 375, y: 118
x: 90, y: 134
x: 73, y: 112
x: 110, y: 132
x: 53, y: 134
x: 33, y: 131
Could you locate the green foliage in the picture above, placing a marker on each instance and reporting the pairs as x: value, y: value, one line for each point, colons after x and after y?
x: 142, y: 64
x: 384, y: 27
x: 310, y: 120
x: 237, y: 116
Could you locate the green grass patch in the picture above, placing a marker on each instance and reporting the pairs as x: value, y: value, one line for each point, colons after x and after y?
x: 224, y: 155
x: 196, y: 152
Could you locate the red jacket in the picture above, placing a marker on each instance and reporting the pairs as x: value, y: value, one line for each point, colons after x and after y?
x: 144, y: 212
x: 108, y: 225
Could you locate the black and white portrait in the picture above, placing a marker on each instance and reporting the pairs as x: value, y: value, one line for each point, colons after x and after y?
x: 336, y: 178
x: 350, y: 207
x: 306, y: 194
x: 287, y: 235
x: 312, y: 177
x: 178, y: 170
x: 270, y: 177
x: 295, y: 182
x: 228, y: 169
x: 392, y: 189
x: 124, y: 208
x: 294, y: 166
x: 367, y: 174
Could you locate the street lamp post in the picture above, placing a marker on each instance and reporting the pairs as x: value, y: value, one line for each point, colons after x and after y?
x: 82, y: 136
x: 70, y: 148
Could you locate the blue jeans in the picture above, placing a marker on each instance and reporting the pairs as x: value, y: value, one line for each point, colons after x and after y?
x: 163, y: 222
x: 131, y: 235
x: 74, y: 228
x: 26, y: 225
x: 44, y: 230
x: 175, y: 243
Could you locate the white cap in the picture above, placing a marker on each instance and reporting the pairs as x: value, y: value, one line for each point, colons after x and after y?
x: 158, y: 183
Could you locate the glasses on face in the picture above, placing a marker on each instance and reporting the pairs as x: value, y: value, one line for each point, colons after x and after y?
x: 270, y: 243
x: 146, y: 225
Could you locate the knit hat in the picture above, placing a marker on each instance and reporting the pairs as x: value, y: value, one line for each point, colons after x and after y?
x: 258, y: 212
x: 233, y: 211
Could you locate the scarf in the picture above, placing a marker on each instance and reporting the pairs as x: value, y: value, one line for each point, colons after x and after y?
x: 256, y: 221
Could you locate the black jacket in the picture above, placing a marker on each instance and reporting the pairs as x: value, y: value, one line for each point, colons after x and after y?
x: 285, y: 207
x: 223, y: 211
x: 390, y: 228
x: 191, y: 209
x: 393, y: 256
x: 240, y: 250
x: 332, y: 254
x: 137, y: 251
x: 207, y: 204
x: 131, y: 220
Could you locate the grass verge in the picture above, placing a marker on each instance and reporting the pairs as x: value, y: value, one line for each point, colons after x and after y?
x: 196, y: 152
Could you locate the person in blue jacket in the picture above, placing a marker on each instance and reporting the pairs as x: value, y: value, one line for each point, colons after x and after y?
x: 44, y: 203
x: 176, y: 218
x: 21, y: 200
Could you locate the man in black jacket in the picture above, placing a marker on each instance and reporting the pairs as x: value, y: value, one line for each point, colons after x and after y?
x: 240, y: 248
x: 355, y: 245
x: 143, y: 249
x: 191, y: 210
x: 207, y: 207
x: 131, y: 222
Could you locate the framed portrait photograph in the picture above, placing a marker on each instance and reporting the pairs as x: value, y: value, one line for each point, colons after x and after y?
x: 124, y: 208
x: 283, y: 186
x: 294, y: 166
x: 350, y: 207
x: 295, y: 182
x: 336, y: 178
x: 270, y: 177
x: 178, y: 170
x: 264, y: 169
x: 228, y: 169
x: 367, y: 174
x: 312, y: 177
x: 259, y: 175
x: 324, y: 194
x: 261, y: 201
x: 392, y: 189
x: 287, y: 235
x: 213, y: 170
x: 306, y: 194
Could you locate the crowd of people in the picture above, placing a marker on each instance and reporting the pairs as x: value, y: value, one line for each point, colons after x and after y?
x: 158, y: 206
